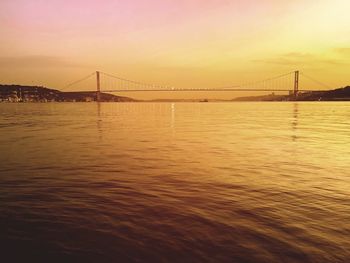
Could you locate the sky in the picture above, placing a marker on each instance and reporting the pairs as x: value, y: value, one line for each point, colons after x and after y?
x: 182, y: 43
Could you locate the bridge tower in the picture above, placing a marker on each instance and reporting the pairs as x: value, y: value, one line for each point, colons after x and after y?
x: 98, y: 93
x: 296, y: 83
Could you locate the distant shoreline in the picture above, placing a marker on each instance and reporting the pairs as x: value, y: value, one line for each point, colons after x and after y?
x: 28, y: 94
x: 341, y: 94
x: 20, y: 94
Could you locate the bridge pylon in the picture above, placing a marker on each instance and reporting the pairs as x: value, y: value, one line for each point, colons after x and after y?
x: 296, y: 84
x: 98, y: 82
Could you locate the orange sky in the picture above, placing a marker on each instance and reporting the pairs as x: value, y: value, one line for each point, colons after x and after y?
x: 193, y: 43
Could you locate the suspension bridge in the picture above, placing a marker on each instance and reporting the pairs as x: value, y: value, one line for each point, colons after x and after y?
x: 108, y: 83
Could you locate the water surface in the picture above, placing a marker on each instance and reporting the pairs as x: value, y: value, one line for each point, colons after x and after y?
x: 183, y: 182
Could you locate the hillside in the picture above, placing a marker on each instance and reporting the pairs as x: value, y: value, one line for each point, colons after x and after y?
x: 341, y: 94
x: 17, y: 93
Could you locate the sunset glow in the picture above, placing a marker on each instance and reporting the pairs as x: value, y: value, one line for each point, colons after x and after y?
x: 175, y: 131
x: 185, y: 43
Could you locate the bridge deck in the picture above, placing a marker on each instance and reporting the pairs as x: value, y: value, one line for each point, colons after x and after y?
x: 168, y: 90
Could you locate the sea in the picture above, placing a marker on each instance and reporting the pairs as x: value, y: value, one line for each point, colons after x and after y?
x: 175, y: 182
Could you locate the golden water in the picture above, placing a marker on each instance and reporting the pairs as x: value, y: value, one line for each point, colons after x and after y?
x: 162, y: 182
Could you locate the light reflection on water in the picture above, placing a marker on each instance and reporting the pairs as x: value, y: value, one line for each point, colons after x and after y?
x: 175, y: 182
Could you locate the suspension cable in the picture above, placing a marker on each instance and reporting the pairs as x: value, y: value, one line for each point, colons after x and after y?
x: 78, y: 81
x: 316, y: 81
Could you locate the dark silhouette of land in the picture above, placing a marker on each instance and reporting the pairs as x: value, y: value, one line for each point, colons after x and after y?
x: 342, y: 94
x: 17, y: 93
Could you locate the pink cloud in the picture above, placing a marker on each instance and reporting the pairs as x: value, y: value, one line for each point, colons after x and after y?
x: 43, y: 15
